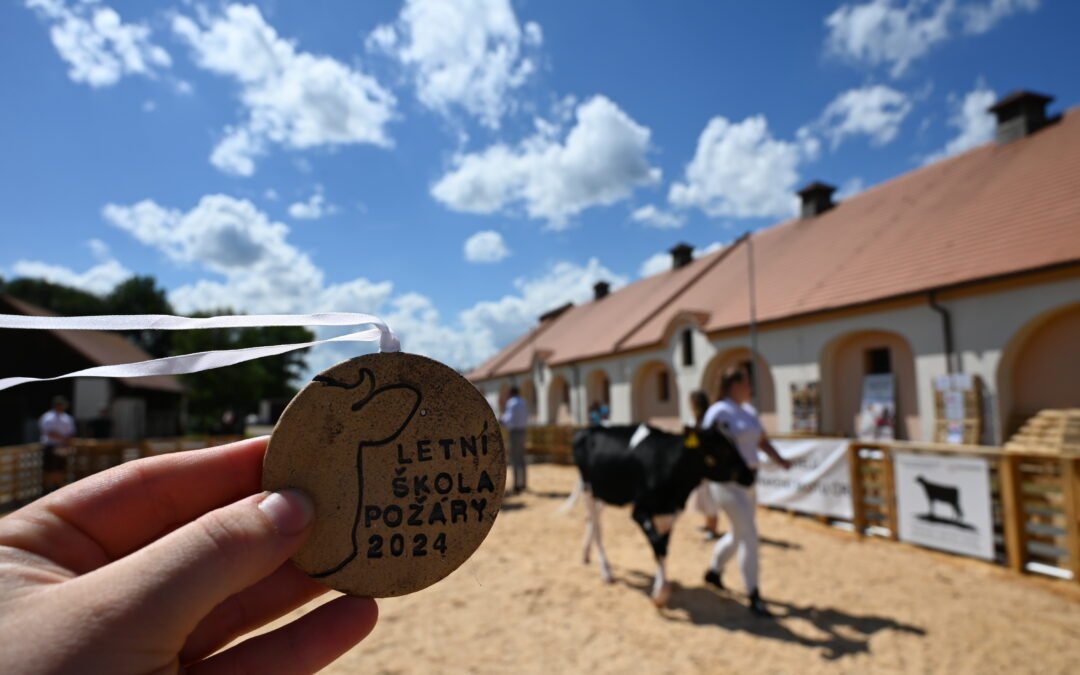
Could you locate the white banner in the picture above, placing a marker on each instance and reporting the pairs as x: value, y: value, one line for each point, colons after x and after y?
x: 943, y: 502
x: 818, y: 481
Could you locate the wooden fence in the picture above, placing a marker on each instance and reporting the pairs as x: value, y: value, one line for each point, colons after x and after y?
x: 20, y: 465
x: 1035, y: 500
x: 1035, y: 497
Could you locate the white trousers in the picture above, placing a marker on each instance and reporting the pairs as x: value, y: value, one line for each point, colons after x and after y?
x: 739, y: 503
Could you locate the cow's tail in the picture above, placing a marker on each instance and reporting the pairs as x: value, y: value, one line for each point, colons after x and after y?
x: 572, y: 500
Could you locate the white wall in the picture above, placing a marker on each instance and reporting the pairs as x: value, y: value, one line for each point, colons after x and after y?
x: 983, y: 325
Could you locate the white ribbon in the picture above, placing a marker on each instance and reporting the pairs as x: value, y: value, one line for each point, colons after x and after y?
x: 194, y: 363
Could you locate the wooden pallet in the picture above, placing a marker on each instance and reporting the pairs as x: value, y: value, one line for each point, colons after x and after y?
x: 1055, y: 432
x: 972, y: 422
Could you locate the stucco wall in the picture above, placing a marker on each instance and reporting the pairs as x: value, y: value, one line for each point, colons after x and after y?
x: 989, y: 328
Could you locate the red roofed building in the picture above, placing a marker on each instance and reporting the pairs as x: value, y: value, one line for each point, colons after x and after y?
x: 131, y: 408
x: 970, y: 265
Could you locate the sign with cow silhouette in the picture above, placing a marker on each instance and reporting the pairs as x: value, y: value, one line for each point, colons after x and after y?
x: 943, y: 502
x: 404, y: 460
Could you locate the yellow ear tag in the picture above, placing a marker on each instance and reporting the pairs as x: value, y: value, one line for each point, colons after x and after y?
x: 691, y: 440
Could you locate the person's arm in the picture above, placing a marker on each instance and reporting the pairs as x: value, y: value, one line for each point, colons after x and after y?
x: 767, y: 447
x: 181, y: 572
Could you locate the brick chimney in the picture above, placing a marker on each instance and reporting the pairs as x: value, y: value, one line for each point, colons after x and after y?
x: 816, y: 199
x: 1019, y: 115
x: 681, y: 255
x: 601, y: 290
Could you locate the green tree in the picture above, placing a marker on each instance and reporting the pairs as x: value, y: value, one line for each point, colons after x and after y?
x: 141, y: 295
x: 63, y: 300
x: 241, y: 387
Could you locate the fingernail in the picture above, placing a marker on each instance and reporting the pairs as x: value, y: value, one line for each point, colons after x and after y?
x: 291, y: 511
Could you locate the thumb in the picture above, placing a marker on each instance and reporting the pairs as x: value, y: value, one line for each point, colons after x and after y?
x: 174, y: 582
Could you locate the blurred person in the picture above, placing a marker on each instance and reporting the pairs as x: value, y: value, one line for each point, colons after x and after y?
x: 515, y: 418
x: 734, y: 416
x: 57, y: 428
x: 596, y: 416
x: 94, y: 581
x: 701, y: 497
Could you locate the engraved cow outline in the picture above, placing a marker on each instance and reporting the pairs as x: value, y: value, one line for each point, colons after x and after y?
x: 365, y: 375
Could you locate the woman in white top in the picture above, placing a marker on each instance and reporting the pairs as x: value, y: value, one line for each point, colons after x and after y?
x: 734, y: 415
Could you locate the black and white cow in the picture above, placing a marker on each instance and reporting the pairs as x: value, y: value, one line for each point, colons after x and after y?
x: 655, y: 471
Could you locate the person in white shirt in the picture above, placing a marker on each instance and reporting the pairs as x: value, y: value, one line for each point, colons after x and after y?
x: 56, y: 427
x: 515, y: 418
x: 734, y: 416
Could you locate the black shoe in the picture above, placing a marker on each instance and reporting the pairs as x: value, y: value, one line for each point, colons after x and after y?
x: 713, y: 579
x: 757, y: 605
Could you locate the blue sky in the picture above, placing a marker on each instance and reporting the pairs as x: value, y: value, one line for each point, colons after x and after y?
x: 461, y: 166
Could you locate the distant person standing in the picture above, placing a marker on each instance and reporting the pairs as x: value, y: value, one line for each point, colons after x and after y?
x: 515, y: 418
x: 734, y: 416
x: 56, y: 427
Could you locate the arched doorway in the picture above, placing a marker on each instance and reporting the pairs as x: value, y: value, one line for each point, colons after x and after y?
x: 656, y: 396
x: 847, y: 360
x: 761, y: 375
x: 528, y: 394
x: 559, y: 401
x: 598, y: 390
x: 1040, y: 369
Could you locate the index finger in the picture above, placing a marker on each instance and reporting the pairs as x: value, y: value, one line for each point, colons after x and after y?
x: 108, y: 515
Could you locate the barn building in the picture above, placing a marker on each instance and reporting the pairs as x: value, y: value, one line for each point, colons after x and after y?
x: 128, y: 408
x: 970, y: 265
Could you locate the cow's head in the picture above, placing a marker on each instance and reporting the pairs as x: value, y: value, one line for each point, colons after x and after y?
x: 717, y: 451
x: 387, y: 410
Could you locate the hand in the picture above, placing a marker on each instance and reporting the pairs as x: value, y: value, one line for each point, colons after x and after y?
x: 156, y: 564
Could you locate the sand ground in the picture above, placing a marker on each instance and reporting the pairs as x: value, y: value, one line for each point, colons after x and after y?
x: 524, y: 603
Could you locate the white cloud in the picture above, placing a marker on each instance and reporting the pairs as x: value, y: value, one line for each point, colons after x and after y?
x: 654, y: 217
x: 461, y: 53
x: 271, y: 194
x: 875, y: 111
x: 486, y: 246
x: 314, y: 208
x: 99, y: 249
x: 898, y: 32
x: 254, y: 268
x: 980, y: 17
x: 974, y: 124
x: 99, y: 279
x: 98, y: 46
x: 495, y: 323
x: 850, y: 188
x: 655, y: 264
x: 661, y: 261
x: 600, y: 161
x: 740, y: 170
x: 293, y: 98
x: 149, y: 106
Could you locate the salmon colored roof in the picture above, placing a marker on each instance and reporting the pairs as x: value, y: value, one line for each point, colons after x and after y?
x: 101, y: 348
x: 993, y: 211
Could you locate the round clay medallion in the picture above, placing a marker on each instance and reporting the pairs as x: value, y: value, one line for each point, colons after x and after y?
x: 405, y: 462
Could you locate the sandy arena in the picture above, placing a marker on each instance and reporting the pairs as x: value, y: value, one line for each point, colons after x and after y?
x: 526, y: 604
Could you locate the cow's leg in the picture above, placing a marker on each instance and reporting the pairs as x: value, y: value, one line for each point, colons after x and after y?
x: 956, y: 507
x: 657, y: 530
x: 593, y: 506
x: 590, y: 518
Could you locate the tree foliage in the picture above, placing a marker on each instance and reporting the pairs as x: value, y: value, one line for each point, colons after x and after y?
x: 238, y: 388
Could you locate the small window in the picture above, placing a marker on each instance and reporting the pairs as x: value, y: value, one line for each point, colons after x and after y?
x: 747, y: 367
x: 662, y: 387
x: 688, y: 347
x: 878, y: 361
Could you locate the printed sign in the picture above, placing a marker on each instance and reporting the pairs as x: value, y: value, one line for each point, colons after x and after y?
x: 405, y: 463
x: 818, y: 481
x: 877, y: 416
x: 804, y: 407
x: 943, y: 502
